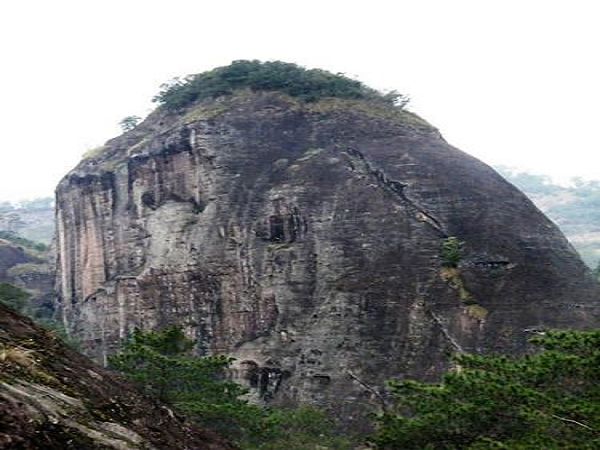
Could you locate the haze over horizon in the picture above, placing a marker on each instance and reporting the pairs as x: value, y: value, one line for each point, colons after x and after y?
x: 512, y: 83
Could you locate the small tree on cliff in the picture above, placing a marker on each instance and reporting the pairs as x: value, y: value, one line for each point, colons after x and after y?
x: 452, y: 250
x: 129, y: 122
x: 550, y: 400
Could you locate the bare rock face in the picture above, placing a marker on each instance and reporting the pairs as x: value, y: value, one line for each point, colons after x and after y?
x: 51, y: 397
x: 305, y: 240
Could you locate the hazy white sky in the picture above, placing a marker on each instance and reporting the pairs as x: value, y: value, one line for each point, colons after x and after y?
x: 511, y: 82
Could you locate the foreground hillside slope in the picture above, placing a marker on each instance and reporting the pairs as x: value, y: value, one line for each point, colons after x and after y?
x: 53, y: 398
x: 305, y: 239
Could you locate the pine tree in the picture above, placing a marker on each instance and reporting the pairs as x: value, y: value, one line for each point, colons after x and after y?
x: 549, y: 400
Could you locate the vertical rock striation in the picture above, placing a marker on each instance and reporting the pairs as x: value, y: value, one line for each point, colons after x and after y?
x: 305, y: 239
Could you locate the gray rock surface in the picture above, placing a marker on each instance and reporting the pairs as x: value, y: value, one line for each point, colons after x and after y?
x: 305, y: 240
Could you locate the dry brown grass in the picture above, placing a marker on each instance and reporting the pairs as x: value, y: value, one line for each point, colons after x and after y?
x: 17, y: 355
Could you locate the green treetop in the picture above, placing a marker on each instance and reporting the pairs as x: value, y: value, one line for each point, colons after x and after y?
x: 305, y: 84
x: 550, y: 400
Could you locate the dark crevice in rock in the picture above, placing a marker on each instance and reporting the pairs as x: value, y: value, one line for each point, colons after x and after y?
x: 269, y: 381
x: 149, y: 200
x: 93, y: 295
x: 285, y: 227
x: 276, y: 229
x: 493, y: 264
x: 323, y: 380
x: 396, y: 188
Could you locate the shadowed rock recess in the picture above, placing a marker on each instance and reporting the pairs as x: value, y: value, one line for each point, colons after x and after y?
x: 51, y: 397
x: 305, y: 240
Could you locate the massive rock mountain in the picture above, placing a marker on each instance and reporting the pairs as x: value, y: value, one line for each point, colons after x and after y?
x: 51, y: 397
x: 305, y: 239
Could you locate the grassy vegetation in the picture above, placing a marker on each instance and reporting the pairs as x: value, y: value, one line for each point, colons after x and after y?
x: 307, y: 85
x: 28, y: 268
x: 93, y: 152
x: 452, y: 254
x: 22, y: 242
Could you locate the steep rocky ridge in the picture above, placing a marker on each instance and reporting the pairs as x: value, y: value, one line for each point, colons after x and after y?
x: 53, y: 398
x: 304, y: 239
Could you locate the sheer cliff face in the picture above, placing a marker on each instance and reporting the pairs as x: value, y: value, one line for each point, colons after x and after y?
x: 305, y: 240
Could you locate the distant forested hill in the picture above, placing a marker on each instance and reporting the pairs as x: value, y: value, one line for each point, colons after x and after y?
x: 32, y: 220
x: 575, y: 209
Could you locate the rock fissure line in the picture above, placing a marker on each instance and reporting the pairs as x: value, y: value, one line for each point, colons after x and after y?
x: 445, y: 331
x: 396, y: 188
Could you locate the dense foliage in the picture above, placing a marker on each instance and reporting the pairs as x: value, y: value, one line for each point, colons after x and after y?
x: 304, y: 84
x: 303, y: 428
x: 549, y: 400
x: 13, y: 297
x: 162, y: 364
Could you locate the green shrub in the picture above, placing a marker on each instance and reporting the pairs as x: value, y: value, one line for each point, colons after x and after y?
x: 301, y: 428
x: 129, y: 123
x: 296, y: 81
x: 13, y: 297
x: 452, y: 250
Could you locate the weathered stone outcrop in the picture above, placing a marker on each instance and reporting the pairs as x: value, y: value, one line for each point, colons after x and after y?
x: 305, y: 240
x: 51, y: 397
